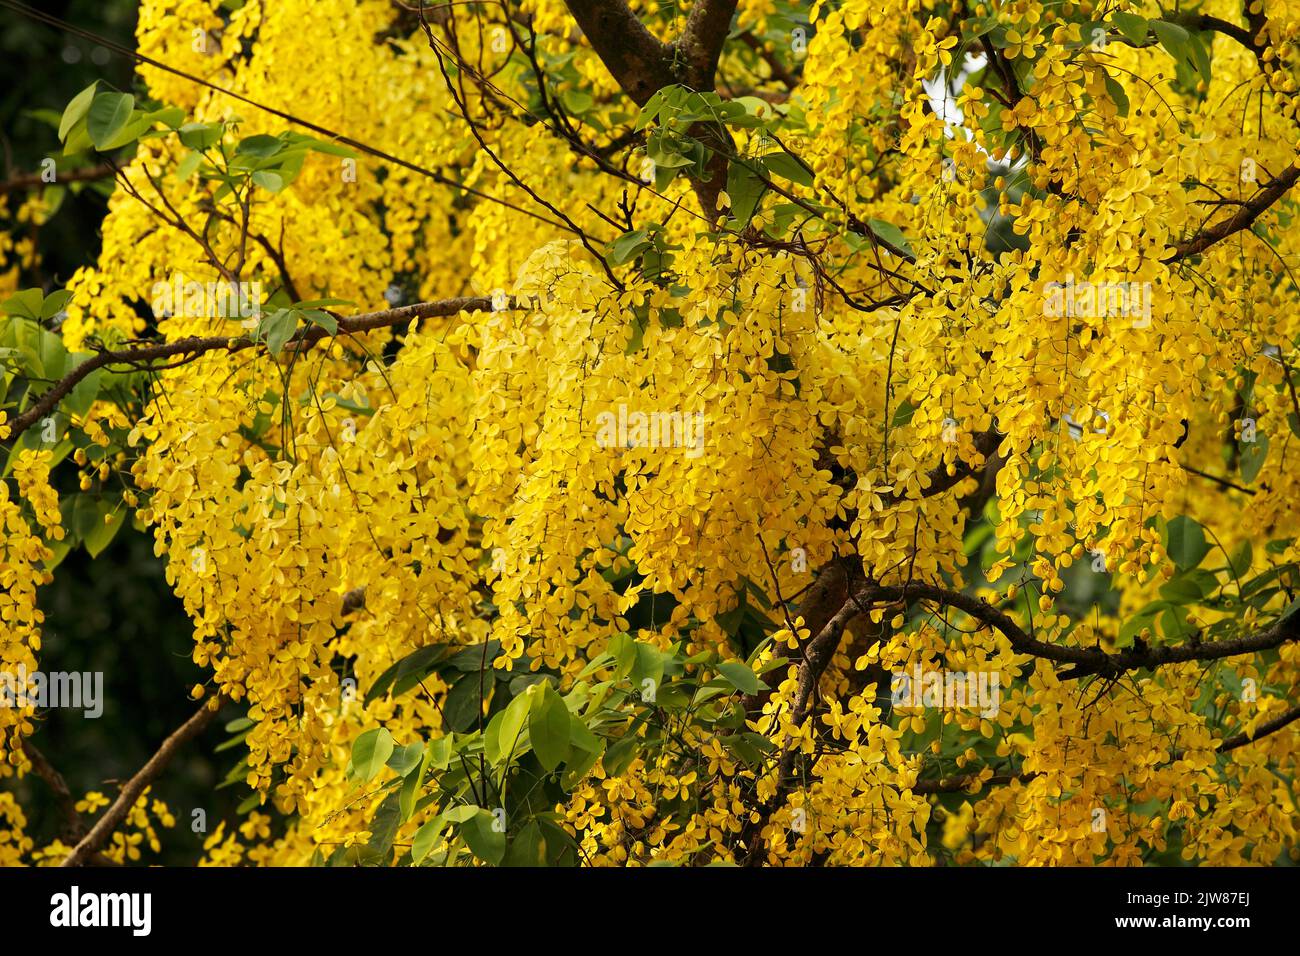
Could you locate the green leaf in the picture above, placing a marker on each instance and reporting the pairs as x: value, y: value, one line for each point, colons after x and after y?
x: 1117, y: 95
x: 461, y: 708
x: 903, y: 414
x: 502, y: 737
x: 788, y: 167
x: 622, y: 647
x: 54, y: 303
x: 1189, y: 587
x: 78, y: 140
x: 84, y: 515
x: 76, y: 110
x: 440, y: 753
x: 405, y: 759
x: 1242, y: 558
x: 322, y: 319
x: 407, y: 672
x: 1185, y: 542
x: 620, y: 754
x: 483, y: 839
x: 271, y: 182
x: 186, y: 167
x: 1186, y: 50
x: 426, y: 838
x: 370, y: 752
x: 171, y: 116
x: 135, y: 127
x: 278, y: 328
x: 108, y: 113
x: 1173, y: 622
x: 745, y: 188
x: 548, y: 727
x: 406, y: 801
x: 101, y: 533
x: 740, y: 677
x: 383, y: 829
x: 1201, y: 56
x: 333, y: 149
x: 528, y: 848
x: 461, y: 813
x: 1143, y: 619
x: 260, y: 146
x: 201, y: 136
x: 1134, y: 28
x: 891, y: 234
x: 26, y: 304
x: 1252, y: 457
x: 1170, y: 35
x: 628, y: 246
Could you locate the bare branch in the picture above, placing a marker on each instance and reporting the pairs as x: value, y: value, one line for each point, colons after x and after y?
x: 634, y: 56
x: 36, y: 180
x: 1263, y: 730
x: 1243, y: 218
x: 93, y: 841
x: 1086, y: 660
x: 702, y: 39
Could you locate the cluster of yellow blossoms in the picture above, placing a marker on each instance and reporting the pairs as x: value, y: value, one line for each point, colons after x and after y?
x: 325, y: 513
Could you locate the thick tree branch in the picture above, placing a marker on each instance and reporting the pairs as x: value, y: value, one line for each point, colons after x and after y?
x: 634, y: 56
x: 965, y: 781
x: 1203, y: 22
x: 938, y: 480
x: 1086, y: 661
x: 1263, y: 730
x: 1243, y: 218
x: 93, y: 841
x: 702, y: 39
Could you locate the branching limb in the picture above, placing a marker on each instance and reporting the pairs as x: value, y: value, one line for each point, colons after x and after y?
x: 99, y: 834
x: 194, y: 346
x: 74, y: 827
x: 635, y: 57
x: 36, y: 180
x: 701, y: 41
x: 1243, y: 218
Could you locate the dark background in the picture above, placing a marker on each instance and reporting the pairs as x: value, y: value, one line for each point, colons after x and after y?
x: 116, y: 615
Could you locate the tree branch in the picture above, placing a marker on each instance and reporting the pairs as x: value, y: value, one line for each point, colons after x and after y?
x: 74, y: 828
x: 1263, y: 730
x: 194, y: 346
x: 1203, y: 22
x: 634, y: 56
x: 1243, y: 218
x: 1086, y: 661
x: 938, y: 480
x: 116, y: 813
x: 103, y: 171
x: 702, y: 39
x: 779, y: 71
x: 964, y: 781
